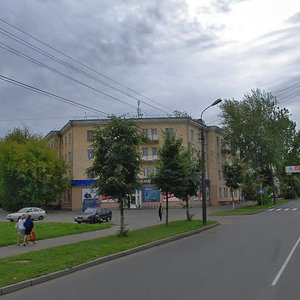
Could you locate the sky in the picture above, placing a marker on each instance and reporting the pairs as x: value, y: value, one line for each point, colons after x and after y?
x: 76, y: 59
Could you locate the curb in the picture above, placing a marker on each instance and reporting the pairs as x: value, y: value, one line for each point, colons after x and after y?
x: 30, y: 282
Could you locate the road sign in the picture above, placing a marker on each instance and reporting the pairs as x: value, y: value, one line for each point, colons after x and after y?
x: 292, y: 169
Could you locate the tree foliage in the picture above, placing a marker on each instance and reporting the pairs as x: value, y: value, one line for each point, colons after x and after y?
x: 171, y: 172
x: 259, y: 132
x: 117, y: 160
x: 191, y: 169
x: 233, y: 176
x: 30, y: 173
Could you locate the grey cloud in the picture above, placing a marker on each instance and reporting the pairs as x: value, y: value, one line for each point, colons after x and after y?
x: 295, y: 19
x: 225, y: 5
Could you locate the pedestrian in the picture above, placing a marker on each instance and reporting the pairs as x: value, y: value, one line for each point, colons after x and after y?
x: 20, y: 229
x: 28, y: 224
x: 160, y: 212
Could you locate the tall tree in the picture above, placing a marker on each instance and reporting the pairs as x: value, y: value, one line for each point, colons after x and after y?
x: 259, y: 132
x: 233, y: 176
x: 190, y: 185
x: 170, y: 174
x: 30, y: 172
x: 117, y: 161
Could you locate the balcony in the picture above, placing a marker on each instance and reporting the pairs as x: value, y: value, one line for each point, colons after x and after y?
x: 150, y: 158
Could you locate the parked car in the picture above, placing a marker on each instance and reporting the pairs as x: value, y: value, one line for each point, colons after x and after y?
x: 35, y: 212
x: 94, y: 215
x: 90, y: 203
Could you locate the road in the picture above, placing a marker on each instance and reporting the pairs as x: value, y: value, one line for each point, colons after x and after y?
x: 248, y: 257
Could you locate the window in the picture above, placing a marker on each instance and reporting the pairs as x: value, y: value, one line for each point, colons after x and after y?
x: 145, y: 131
x: 220, y: 192
x: 90, y: 154
x: 154, y: 151
x: 225, y: 192
x: 220, y: 174
x: 192, y: 135
x: 145, y: 172
x: 65, y: 141
x: 145, y: 152
x: 69, y: 138
x: 89, y: 135
x: 218, y: 141
x: 89, y: 175
x: 153, y: 131
x: 170, y: 131
x: 70, y: 157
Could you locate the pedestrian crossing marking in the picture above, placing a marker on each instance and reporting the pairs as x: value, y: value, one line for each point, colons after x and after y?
x: 283, y: 209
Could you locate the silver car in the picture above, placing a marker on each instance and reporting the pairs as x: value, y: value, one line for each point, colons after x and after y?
x: 35, y: 212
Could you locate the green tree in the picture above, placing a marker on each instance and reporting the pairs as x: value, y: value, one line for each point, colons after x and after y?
x: 170, y: 175
x: 117, y: 161
x: 258, y: 132
x: 233, y: 175
x: 190, y: 184
x: 30, y: 173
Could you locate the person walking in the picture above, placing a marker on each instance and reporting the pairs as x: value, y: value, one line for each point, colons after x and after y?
x: 160, y: 212
x: 20, y: 229
x: 28, y: 224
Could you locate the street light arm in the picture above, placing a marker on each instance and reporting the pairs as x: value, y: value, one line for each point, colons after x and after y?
x: 204, y: 111
x: 213, y: 104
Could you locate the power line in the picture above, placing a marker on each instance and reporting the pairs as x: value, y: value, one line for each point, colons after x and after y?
x: 24, y: 56
x: 49, y: 55
x: 80, y: 63
x: 51, y: 95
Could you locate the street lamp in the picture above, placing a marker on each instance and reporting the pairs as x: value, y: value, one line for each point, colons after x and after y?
x: 204, y: 213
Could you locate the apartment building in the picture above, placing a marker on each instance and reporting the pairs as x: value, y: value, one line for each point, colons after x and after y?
x: 73, y: 145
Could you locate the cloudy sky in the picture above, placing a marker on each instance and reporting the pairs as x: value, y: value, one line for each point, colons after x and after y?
x: 70, y: 59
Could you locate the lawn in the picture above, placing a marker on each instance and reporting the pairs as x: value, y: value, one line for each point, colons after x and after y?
x: 37, y: 263
x: 46, y: 230
x: 248, y: 210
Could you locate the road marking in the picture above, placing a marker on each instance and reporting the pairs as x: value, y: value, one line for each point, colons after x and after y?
x: 285, y: 264
x: 271, y: 209
x: 278, y: 209
x: 286, y: 209
x: 294, y: 209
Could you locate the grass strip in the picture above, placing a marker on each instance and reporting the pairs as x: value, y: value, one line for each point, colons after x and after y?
x: 47, y: 230
x: 248, y: 210
x: 37, y: 263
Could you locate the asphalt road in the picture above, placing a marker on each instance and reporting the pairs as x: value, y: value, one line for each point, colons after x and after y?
x: 253, y: 257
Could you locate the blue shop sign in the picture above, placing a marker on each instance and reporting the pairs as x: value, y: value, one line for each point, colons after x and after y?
x: 85, y: 182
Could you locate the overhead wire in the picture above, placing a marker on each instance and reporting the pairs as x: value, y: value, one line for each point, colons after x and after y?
x: 24, y: 56
x: 51, y: 95
x: 49, y: 55
x: 80, y: 63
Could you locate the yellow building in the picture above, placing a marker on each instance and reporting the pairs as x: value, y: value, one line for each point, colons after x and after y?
x: 73, y: 144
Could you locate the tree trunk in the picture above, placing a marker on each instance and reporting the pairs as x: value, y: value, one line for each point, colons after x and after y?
x: 188, y: 216
x: 233, y: 204
x: 122, y: 227
x: 167, y: 209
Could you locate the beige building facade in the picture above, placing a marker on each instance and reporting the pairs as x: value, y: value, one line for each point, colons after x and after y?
x: 73, y: 145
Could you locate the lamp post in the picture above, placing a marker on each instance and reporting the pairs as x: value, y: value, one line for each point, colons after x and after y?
x: 204, y: 213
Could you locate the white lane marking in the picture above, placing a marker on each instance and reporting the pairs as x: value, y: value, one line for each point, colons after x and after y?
x: 271, y: 209
x: 278, y: 209
x: 286, y: 209
x: 285, y: 264
x: 295, y: 209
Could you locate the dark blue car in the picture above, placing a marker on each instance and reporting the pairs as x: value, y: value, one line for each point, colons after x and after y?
x: 94, y: 215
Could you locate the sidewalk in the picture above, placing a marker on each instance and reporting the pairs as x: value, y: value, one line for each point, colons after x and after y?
x: 70, y: 239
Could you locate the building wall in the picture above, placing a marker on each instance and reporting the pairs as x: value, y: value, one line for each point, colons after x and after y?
x: 73, y: 146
